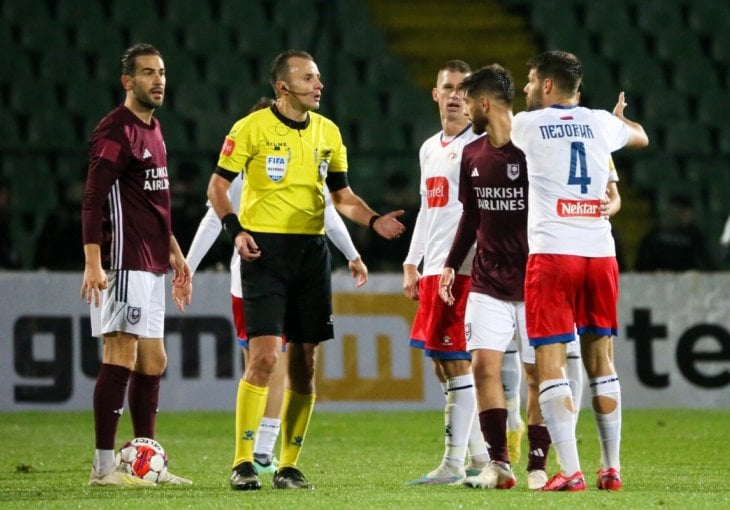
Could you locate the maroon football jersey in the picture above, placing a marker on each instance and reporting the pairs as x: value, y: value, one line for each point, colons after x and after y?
x: 126, y: 206
x: 493, y: 190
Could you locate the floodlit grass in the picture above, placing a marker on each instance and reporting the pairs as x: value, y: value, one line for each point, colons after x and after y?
x: 672, y: 459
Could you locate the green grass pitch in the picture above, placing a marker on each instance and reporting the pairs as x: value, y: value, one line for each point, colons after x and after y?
x: 672, y: 459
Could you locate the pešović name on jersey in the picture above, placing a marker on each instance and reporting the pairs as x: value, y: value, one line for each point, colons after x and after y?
x: 156, y: 179
x: 566, y: 130
x: 500, y: 199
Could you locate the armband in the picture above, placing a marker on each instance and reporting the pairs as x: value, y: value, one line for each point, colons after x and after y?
x: 231, y: 225
x: 371, y: 223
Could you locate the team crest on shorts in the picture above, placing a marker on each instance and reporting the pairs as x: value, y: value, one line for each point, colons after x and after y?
x: 446, y: 340
x: 467, y: 330
x: 133, y: 314
x: 513, y: 171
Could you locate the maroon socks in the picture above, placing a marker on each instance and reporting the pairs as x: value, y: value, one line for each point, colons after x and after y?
x: 144, y: 399
x: 493, y: 423
x: 539, y: 440
x: 111, y: 386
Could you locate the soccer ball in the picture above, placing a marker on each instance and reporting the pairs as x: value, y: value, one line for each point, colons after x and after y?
x: 144, y: 458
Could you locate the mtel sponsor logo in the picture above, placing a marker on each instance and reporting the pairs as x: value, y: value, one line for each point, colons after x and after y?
x: 437, y: 191
x: 578, y: 208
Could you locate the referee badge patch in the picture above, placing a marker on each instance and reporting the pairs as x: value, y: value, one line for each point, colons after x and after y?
x: 133, y: 314
x: 323, y: 166
x: 275, y: 167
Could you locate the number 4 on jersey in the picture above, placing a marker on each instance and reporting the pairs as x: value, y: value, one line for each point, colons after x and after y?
x: 578, y: 176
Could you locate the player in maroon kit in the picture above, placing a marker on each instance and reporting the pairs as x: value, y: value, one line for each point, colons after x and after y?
x: 129, y: 247
x: 493, y: 190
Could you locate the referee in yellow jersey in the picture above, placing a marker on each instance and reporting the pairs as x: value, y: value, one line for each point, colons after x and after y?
x: 288, y: 153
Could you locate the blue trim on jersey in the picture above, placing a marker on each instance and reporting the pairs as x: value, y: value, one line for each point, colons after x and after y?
x: 448, y: 355
x: 418, y: 344
x: 563, y: 338
x: 563, y: 106
x: 598, y: 331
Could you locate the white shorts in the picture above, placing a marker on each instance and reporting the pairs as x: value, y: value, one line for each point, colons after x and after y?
x: 493, y: 323
x: 133, y: 303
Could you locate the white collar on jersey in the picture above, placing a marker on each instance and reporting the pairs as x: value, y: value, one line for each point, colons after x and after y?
x: 446, y: 140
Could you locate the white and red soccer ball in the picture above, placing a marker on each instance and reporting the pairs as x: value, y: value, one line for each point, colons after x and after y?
x: 144, y: 458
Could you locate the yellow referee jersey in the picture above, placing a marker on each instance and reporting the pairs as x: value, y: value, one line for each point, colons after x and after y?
x: 285, y: 170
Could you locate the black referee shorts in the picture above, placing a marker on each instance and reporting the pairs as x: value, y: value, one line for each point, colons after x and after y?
x: 288, y: 290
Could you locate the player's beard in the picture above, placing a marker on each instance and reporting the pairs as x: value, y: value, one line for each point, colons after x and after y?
x: 533, y: 101
x: 145, y: 99
x: 478, y: 123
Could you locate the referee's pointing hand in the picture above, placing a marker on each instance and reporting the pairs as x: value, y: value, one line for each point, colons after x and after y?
x: 388, y: 227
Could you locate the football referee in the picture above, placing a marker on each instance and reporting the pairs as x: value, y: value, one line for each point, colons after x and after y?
x: 288, y: 153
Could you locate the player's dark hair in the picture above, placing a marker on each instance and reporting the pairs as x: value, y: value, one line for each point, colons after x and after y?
x: 494, y: 80
x: 280, y: 65
x: 129, y: 57
x: 455, y: 66
x: 565, y: 69
x: 261, y: 103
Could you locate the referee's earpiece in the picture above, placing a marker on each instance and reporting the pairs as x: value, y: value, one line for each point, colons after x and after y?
x: 292, y: 92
